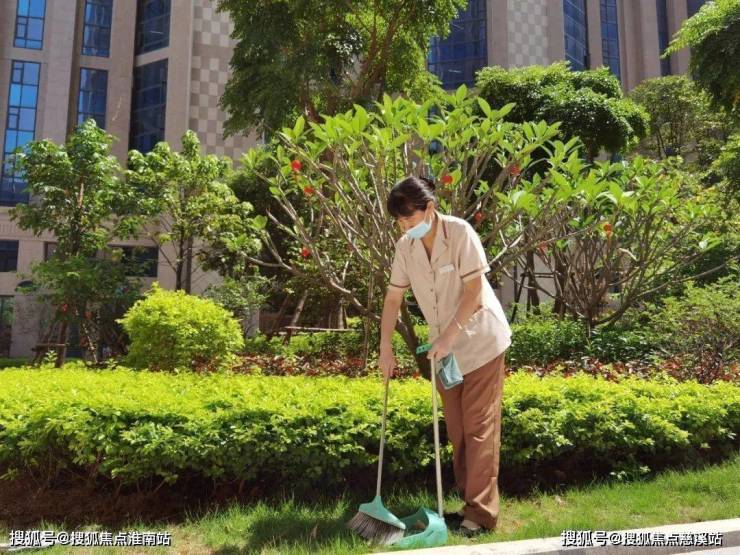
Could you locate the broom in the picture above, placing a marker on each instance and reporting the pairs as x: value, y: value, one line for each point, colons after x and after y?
x: 373, y: 521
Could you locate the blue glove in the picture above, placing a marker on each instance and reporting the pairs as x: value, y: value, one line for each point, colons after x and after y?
x: 449, y: 372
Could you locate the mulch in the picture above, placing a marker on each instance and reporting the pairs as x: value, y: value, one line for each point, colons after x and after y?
x: 69, y: 500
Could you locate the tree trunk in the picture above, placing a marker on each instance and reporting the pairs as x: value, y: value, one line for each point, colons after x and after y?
x: 62, y: 342
x: 299, y: 308
x: 296, y: 314
x: 340, y: 316
x: 412, y: 342
x: 281, y: 314
x: 518, y: 289
x: 560, y: 275
x: 533, y: 297
x: 189, y: 266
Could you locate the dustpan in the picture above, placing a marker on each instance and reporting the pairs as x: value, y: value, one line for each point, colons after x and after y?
x: 425, y: 528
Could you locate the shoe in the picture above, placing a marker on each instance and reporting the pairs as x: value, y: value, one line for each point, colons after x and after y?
x: 467, y: 530
x: 453, y: 520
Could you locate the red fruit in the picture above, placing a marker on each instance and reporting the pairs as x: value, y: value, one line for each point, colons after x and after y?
x: 515, y: 169
x: 305, y: 252
x: 608, y: 228
x: 308, y: 190
x: 447, y: 179
x: 296, y: 165
x: 478, y: 216
x: 63, y: 308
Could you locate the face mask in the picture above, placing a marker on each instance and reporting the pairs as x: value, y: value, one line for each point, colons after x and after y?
x: 419, y: 230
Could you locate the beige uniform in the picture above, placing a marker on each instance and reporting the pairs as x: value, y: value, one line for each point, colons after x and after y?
x: 438, y: 284
x: 472, y: 409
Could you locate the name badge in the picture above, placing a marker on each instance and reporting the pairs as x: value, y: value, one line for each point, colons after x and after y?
x: 446, y: 269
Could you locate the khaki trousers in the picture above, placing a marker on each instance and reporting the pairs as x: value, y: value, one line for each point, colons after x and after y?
x: 472, y: 412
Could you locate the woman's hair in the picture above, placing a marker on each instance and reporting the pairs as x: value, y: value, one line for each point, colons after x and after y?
x: 410, y: 194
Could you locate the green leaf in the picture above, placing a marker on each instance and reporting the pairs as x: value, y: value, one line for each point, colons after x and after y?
x: 484, y: 106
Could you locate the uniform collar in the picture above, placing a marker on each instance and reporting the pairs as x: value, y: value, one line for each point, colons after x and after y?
x: 441, y: 243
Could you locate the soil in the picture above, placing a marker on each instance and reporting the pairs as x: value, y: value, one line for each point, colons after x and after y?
x: 71, y: 502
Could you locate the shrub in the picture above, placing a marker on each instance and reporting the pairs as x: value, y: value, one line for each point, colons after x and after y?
x: 323, y: 432
x: 332, y: 344
x: 702, y: 326
x: 621, y: 344
x: 171, y: 329
x: 541, y: 339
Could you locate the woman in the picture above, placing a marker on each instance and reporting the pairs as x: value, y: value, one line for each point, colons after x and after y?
x: 442, y: 259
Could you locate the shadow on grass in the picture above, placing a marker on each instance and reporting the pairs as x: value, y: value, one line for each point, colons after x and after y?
x: 278, y: 519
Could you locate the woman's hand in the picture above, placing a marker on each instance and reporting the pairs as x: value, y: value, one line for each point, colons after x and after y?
x: 387, y: 362
x: 441, y: 347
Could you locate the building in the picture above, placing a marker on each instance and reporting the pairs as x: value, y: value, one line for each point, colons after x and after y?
x: 625, y: 35
x: 146, y: 70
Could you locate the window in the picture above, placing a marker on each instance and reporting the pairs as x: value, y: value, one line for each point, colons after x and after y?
x: 96, y: 32
x: 49, y: 249
x: 662, y: 12
x: 8, y: 256
x: 576, y: 35
x: 29, y: 24
x: 456, y: 58
x: 152, y: 25
x: 148, y: 105
x: 92, y: 97
x: 142, y: 260
x: 693, y: 6
x: 610, y: 36
x: 20, y: 127
x: 6, y: 324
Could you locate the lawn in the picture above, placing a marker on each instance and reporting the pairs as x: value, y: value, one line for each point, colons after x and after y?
x: 288, y: 526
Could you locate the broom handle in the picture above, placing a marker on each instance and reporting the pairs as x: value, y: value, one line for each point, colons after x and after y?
x: 436, y: 439
x: 382, y: 437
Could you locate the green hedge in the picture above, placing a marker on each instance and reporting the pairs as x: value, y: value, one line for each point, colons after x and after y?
x: 309, y: 432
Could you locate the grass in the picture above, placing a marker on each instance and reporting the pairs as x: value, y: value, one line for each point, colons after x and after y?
x: 291, y: 526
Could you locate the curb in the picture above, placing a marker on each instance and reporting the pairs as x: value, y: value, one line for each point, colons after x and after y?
x: 729, y: 530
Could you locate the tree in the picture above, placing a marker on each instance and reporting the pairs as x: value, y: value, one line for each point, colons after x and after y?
x: 78, y: 195
x: 240, y: 296
x: 345, y: 167
x: 589, y: 104
x: 320, y: 56
x: 89, y: 292
x: 193, y: 210
x: 586, y: 104
x: 727, y: 166
x: 680, y: 116
x: 652, y: 223
x: 713, y: 35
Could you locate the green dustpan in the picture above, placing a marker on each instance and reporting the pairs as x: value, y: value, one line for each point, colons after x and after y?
x: 426, y: 528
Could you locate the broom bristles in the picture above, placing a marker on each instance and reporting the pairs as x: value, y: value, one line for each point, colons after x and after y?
x: 375, y: 530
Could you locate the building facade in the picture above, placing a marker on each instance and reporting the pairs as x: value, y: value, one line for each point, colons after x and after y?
x: 625, y: 35
x: 148, y: 70
x: 145, y: 70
